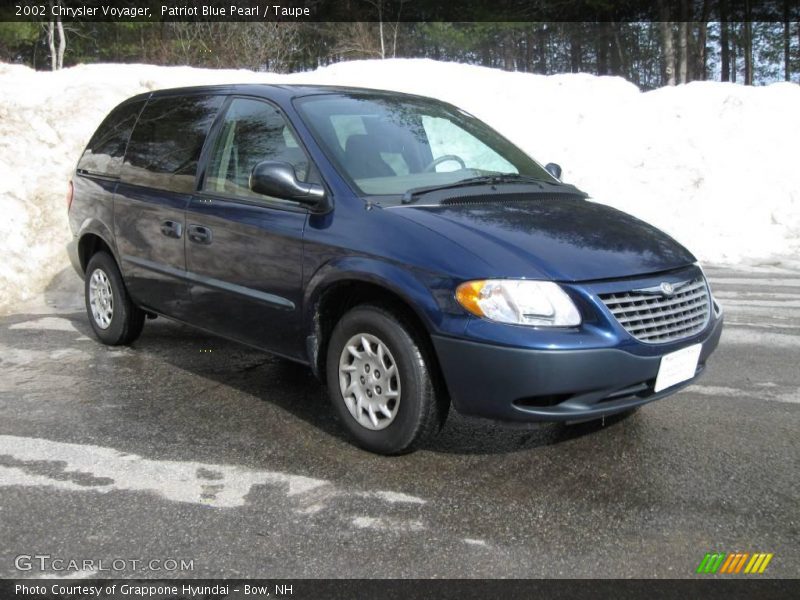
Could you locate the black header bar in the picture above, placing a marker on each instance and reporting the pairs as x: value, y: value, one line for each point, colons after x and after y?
x: 402, y: 10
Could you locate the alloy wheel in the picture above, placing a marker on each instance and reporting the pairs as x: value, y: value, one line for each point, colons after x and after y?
x: 369, y: 381
x: 101, y: 299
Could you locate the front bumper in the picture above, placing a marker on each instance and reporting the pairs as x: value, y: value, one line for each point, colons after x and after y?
x: 522, y: 384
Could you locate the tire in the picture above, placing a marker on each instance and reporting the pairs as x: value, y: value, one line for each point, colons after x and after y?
x: 114, y: 318
x: 415, y: 414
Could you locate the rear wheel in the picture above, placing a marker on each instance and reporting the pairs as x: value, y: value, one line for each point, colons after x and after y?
x: 114, y: 318
x: 380, y: 382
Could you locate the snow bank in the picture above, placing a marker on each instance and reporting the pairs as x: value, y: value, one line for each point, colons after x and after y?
x: 713, y: 164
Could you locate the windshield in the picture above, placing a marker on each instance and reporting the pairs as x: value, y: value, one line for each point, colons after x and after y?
x: 388, y: 145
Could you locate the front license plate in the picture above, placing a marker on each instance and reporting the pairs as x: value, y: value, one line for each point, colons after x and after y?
x: 677, y: 366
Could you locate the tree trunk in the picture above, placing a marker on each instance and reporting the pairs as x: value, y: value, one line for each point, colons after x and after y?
x: 51, y: 44
x: 700, y: 53
x: 686, y: 44
x: 380, y: 30
x: 601, y: 45
x: 543, y: 33
x: 787, y: 42
x: 378, y: 4
x: 702, y: 35
x: 669, y: 51
x: 723, y: 41
x: 683, y: 46
x: 734, y: 66
x: 575, y: 49
x: 62, y: 42
x: 396, y: 27
x: 748, y: 45
x: 528, y: 50
x: 508, y: 51
x: 394, y: 38
x: 617, y: 60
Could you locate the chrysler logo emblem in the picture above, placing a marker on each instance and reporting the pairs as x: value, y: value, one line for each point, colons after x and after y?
x: 665, y: 288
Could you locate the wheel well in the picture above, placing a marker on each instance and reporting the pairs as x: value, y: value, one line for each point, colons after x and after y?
x: 88, y: 246
x: 341, y: 297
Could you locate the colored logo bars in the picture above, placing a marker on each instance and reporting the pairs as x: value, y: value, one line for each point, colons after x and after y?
x: 734, y: 563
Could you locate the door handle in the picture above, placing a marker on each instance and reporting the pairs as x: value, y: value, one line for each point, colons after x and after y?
x: 200, y: 234
x: 172, y: 229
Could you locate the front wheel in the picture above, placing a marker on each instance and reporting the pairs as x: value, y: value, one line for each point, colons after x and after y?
x: 380, y: 382
x: 113, y: 316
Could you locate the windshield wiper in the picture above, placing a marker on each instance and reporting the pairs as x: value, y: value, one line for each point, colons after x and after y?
x: 414, y: 194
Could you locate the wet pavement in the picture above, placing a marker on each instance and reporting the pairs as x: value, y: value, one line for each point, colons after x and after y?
x: 188, y: 447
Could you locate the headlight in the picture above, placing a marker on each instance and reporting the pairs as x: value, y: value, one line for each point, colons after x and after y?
x: 520, y: 302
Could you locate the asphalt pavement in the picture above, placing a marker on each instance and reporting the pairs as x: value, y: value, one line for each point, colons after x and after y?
x: 188, y: 448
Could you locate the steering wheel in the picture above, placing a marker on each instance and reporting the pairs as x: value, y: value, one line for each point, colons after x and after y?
x: 445, y: 158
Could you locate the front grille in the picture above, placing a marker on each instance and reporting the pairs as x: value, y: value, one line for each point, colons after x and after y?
x: 652, y: 316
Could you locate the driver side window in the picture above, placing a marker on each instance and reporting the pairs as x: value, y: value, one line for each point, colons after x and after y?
x: 252, y: 131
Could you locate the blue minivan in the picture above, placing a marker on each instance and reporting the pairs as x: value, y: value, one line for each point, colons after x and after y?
x: 407, y: 253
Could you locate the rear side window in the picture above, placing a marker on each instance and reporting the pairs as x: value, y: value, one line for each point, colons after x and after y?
x: 103, y: 155
x: 165, y: 146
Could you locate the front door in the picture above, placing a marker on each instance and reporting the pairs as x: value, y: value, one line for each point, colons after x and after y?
x: 244, y: 251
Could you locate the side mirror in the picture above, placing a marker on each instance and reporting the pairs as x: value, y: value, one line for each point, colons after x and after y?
x: 278, y: 179
x: 554, y: 170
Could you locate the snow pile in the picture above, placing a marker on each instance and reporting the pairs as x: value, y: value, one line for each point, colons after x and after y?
x: 712, y: 164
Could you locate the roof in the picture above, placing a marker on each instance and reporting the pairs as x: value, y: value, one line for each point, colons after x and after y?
x: 284, y: 91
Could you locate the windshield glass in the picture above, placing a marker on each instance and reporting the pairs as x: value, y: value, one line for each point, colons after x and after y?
x: 387, y: 144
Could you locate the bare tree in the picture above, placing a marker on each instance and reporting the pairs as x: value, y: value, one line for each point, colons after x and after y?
x: 748, y: 44
x: 56, y: 56
x: 51, y: 44
x: 356, y: 38
x: 601, y: 50
x: 667, y: 42
x: 683, y: 43
x: 669, y: 51
x: 396, y: 27
x: 723, y: 41
x: 378, y: 4
x: 380, y: 28
x: 787, y: 42
x: 700, y: 67
x: 62, y: 42
x: 619, y: 60
x: 575, y: 49
x: 188, y: 41
x: 269, y: 46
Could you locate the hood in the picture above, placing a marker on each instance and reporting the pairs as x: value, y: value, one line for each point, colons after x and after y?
x: 563, y: 239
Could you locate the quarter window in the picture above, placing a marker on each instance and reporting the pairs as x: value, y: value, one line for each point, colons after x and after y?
x: 103, y: 155
x: 165, y: 146
x: 252, y: 131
